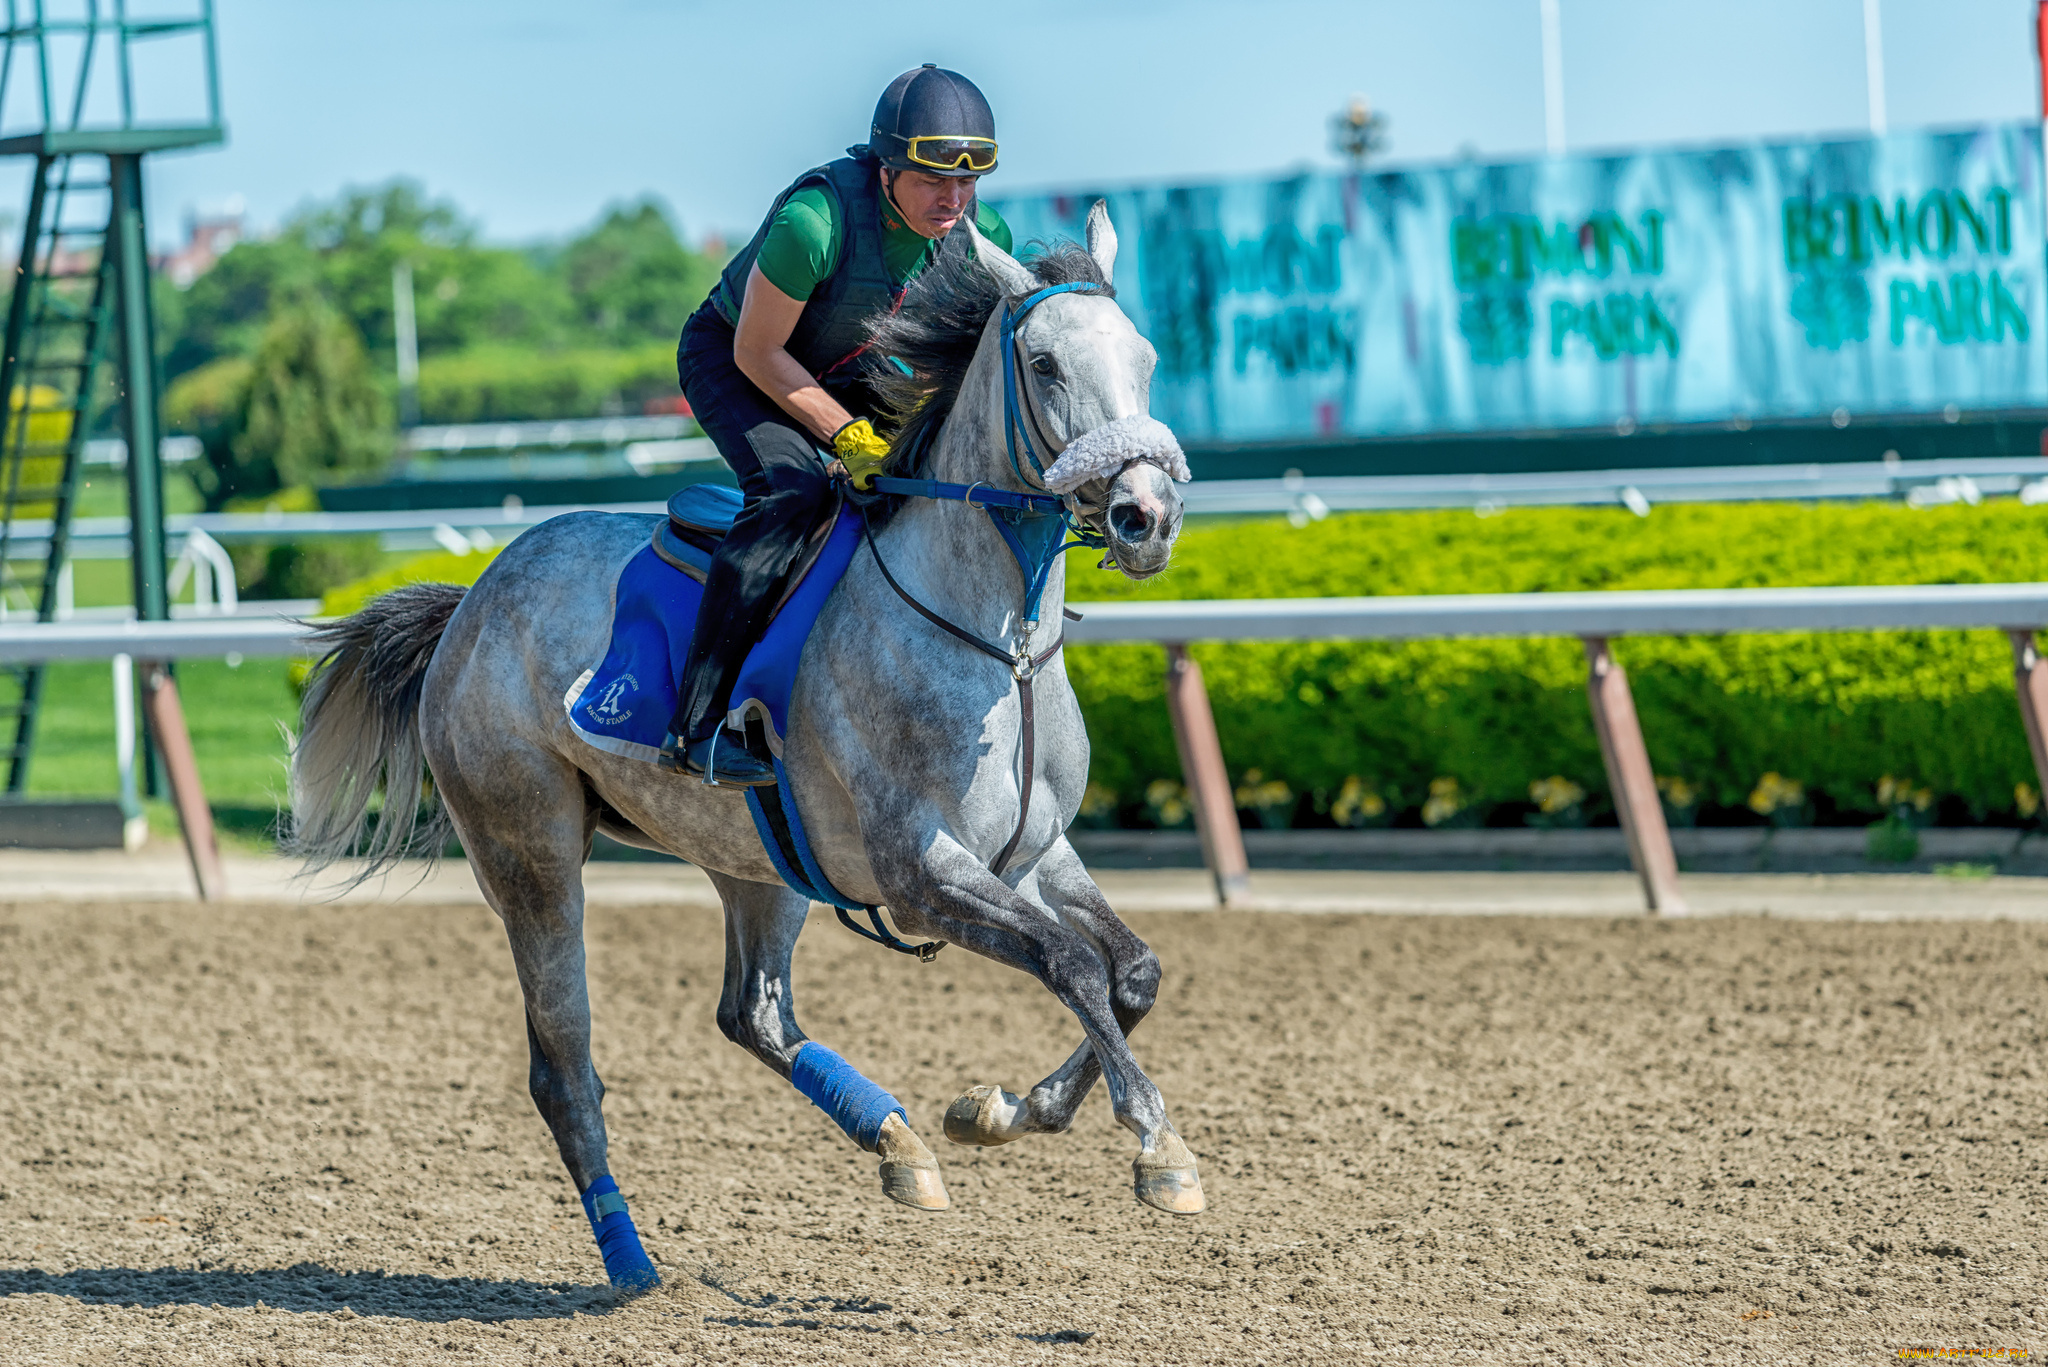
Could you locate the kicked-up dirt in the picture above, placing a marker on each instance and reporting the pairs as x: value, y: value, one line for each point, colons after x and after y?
x: 278, y: 1135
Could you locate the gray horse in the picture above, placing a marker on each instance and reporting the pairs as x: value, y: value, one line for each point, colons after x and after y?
x: 903, y: 744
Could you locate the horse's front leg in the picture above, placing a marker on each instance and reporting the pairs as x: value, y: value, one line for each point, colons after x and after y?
x: 951, y: 894
x: 757, y: 1011
x: 987, y: 1115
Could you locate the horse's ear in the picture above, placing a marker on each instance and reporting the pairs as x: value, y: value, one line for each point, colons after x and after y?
x: 1007, y: 270
x: 1102, y: 239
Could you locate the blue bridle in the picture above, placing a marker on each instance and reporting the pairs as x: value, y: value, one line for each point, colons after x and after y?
x: 1034, y: 526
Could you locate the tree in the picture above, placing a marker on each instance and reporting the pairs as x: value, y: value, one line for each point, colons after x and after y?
x: 313, y: 411
x: 631, y: 279
x: 344, y: 252
x: 465, y: 294
x: 225, y: 310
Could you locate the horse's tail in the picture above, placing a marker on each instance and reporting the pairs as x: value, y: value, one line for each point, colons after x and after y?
x: 359, y: 734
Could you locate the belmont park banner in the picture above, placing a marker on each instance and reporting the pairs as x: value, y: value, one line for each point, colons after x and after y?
x: 1875, y: 276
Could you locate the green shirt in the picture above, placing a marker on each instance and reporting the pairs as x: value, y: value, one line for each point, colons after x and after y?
x: 803, y: 241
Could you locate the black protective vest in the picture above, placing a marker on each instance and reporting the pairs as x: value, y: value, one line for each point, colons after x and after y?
x: 832, y: 329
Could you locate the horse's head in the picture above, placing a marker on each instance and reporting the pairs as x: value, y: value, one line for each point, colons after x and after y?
x: 1078, y: 383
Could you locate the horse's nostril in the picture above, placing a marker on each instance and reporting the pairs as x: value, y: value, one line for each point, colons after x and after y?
x: 1131, y: 522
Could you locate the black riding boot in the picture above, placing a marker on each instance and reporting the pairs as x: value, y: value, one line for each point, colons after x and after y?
x: 786, y: 492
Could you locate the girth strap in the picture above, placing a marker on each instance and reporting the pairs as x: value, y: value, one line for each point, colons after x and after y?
x: 1023, y: 668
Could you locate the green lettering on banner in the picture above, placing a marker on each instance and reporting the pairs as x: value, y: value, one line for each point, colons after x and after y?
x: 1565, y: 319
x: 1944, y: 225
x: 1966, y: 304
x: 2006, y: 312
x: 1980, y: 231
x: 1907, y: 301
x: 1854, y: 230
x: 1514, y: 249
x: 1884, y: 233
x: 1556, y: 251
x: 1657, y: 329
x: 1973, y: 308
x: 1296, y: 339
x: 1797, y: 212
x: 1616, y: 325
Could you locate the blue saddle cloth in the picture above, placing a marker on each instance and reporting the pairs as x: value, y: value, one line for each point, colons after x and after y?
x: 624, y: 704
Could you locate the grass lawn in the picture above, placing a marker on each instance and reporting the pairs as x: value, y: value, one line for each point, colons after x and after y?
x: 233, y: 715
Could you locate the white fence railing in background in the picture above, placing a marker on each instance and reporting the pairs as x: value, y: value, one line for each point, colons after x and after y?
x: 1921, y: 483
x: 1595, y: 618
x: 1657, y: 612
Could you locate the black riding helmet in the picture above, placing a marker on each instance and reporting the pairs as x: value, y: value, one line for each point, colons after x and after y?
x: 934, y: 121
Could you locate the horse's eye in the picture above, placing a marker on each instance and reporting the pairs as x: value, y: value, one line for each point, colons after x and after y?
x: 1043, y: 365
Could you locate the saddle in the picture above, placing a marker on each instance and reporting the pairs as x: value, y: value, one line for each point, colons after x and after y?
x: 700, y: 515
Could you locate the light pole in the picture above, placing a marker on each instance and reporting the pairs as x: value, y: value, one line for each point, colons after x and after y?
x: 1873, y: 65
x: 1553, y: 79
x: 1358, y: 130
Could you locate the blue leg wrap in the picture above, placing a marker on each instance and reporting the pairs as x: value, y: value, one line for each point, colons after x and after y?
x: 625, y: 1262
x: 837, y: 1089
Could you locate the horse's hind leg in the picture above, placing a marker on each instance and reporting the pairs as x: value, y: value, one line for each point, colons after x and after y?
x: 756, y: 1011
x: 527, y: 845
x: 988, y: 1115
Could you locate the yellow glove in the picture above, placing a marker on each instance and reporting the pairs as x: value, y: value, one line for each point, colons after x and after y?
x: 863, y: 452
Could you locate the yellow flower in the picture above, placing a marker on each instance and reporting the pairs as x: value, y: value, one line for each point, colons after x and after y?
x: 1774, y: 791
x: 1098, y: 801
x: 1356, y: 803
x: 1445, y: 801
x: 1901, y: 792
x: 1168, y: 801
x: 1555, y: 794
x: 2027, y: 798
x: 1259, y: 793
x: 1677, y: 791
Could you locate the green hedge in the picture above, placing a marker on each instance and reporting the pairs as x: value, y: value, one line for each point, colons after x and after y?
x: 490, y: 384
x: 1835, y: 711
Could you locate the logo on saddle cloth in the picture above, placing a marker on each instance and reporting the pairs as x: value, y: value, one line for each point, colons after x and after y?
x: 607, y: 710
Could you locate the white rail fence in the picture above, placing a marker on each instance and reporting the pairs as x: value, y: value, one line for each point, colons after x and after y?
x: 1595, y: 618
x: 1918, y: 482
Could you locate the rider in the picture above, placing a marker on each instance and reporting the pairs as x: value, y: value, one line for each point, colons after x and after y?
x: 771, y: 364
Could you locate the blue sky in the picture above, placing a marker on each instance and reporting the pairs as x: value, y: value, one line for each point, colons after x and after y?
x: 532, y: 116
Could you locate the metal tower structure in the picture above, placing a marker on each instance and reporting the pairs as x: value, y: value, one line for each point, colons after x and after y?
x: 88, y: 90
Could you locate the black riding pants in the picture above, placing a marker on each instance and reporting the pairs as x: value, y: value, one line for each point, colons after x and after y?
x: 786, y: 492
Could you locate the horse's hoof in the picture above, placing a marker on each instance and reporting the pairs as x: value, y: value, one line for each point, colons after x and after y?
x: 910, y: 1174
x: 920, y: 1188
x: 982, y: 1116
x: 1166, y: 1179
x: 1177, y: 1191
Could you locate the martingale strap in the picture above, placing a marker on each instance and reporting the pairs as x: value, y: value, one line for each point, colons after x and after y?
x: 1023, y: 668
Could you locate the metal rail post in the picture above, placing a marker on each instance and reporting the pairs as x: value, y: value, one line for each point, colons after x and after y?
x: 1201, y: 765
x: 167, y: 725
x: 1631, y: 780
x: 2031, y: 682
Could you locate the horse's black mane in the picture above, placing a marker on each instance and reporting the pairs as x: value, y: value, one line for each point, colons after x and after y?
x: 939, y: 325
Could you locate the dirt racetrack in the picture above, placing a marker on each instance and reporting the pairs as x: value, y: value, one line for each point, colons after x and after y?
x: 273, y: 1135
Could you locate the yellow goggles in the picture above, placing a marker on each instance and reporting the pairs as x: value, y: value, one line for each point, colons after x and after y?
x: 950, y: 154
